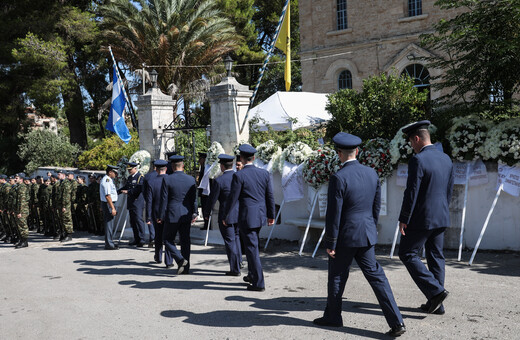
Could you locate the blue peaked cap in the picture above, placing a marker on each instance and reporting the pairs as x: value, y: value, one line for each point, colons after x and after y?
x: 247, y: 149
x: 347, y: 141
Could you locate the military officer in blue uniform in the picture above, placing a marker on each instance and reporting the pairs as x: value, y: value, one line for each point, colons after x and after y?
x: 147, y: 178
x: 178, y: 210
x: 135, y: 203
x: 108, y: 197
x: 353, y: 203
x: 425, y: 215
x: 220, y: 190
x: 152, y: 190
x: 251, y: 188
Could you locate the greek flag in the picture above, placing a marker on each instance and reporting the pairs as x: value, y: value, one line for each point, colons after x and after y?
x: 116, y: 119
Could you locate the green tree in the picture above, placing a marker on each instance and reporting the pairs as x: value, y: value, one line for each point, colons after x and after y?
x: 385, y: 104
x: 480, y: 52
x: 57, y: 58
x: 45, y: 148
x: 175, y: 33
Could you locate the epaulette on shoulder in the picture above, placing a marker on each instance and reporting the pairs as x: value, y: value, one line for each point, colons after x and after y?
x: 108, y: 180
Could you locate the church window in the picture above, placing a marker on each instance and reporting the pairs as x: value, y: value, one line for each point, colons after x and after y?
x: 345, y: 80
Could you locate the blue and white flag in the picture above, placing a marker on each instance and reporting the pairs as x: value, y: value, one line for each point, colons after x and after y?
x: 116, y: 119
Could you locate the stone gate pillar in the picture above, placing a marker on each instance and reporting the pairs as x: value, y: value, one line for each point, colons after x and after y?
x: 155, y: 113
x: 229, y: 102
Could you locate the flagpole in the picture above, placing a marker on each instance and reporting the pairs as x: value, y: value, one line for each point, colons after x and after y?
x: 266, y: 60
x: 127, y: 99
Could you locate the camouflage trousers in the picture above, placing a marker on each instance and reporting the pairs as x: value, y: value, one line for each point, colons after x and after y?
x: 21, y: 223
x: 66, y: 219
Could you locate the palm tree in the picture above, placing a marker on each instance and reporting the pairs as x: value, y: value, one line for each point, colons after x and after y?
x: 193, y: 33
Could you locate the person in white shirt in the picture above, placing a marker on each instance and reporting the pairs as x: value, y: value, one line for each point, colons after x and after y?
x: 108, y: 197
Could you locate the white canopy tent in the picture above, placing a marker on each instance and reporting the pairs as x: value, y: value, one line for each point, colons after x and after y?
x: 291, y: 110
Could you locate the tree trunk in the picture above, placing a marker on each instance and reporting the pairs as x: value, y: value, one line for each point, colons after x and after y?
x: 76, y: 117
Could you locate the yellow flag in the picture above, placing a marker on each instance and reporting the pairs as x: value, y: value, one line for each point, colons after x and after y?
x: 284, y: 43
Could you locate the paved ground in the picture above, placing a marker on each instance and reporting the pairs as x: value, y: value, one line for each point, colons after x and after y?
x: 79, y: 291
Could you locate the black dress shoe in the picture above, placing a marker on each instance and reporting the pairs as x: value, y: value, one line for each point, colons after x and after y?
x: 151, y: 245
x: 247, y: 279
x: 397, y: 330
x: 168, y: 266
x: 67, y: 239
x: 133, y: 243
x: 425, y: 307
x: 156, y: 259
x: 324, y: 322
x: 255, y: 289
x: 139, y: 245
x: 436, y: 301
x: 233, y: 274
x: 111, y: 248
x: 182, y: 267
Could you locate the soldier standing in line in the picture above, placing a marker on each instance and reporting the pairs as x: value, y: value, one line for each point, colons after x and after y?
x: 135, y: 203
x: 73, y: 188
x: 21, y: 210
x: 27, y: 182
x: 4, y: 230
x: 65, y: 207
x: 91, y: 199
x: 81, y: 203
x: 56, y: 224
x: 44, y: 194
x: 8, y: 203
x: 12, y: 208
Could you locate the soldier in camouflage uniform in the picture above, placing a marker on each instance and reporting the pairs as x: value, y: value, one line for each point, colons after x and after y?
x: 65, y: 207
x: 81, y: 203
x: 6, y: 215
x: 44, y: 195
x: 34, y: 216
x: 4, y: 232
x: 94, y: 206
x: 21, y: 210
x: 11, y: 204
x: 73, y: 188
x: 56, y: 224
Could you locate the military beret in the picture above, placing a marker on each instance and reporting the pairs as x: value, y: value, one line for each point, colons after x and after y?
x: 160, y: 163
x: 176, y: 158
x: 21, y: 175
x: 38, y: 177
x: 131, y: 165
x: 45, y: 178
x: 92, y: 175
x: 2, y: 176
x: 411, y: 128
x: 203, y: 155
x: 112, y: 168
x: 223, y: 158
x: 346, y: 141
x: 100, y: 176
x: 61, y: 171
x: 246, y: 150
x: 11, y: 177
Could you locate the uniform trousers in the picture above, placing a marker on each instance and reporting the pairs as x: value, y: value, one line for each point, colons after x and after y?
x: 137, y: 224
x: 169, y: 232
x: 251, y: 240
x: 21, y: 223
x: 339, y: 268
x: 108, y: 221
x: 429, y: 280
x: 231, y: 237
x: 159, y: 230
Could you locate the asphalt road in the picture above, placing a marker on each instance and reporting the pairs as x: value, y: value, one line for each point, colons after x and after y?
x: 78, y: 290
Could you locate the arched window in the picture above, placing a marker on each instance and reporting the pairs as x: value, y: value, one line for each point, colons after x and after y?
x: 414, y: 8
x: 341, y: 9
x: 419, y: 74
x: 345, y: 80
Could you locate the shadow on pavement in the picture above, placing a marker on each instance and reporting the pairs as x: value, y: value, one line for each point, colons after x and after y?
x: 185, y: 285
x: 243, y: 319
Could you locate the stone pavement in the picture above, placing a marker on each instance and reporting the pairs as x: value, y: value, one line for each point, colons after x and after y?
x: 78, y: 290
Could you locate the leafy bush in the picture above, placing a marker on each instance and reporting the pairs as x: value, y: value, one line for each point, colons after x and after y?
x: 384, y: 105
x: 285, y: 138
x: 109, y: 151
x: 44, y: 148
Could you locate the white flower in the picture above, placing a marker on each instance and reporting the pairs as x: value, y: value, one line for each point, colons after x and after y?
x: 143, y: 159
